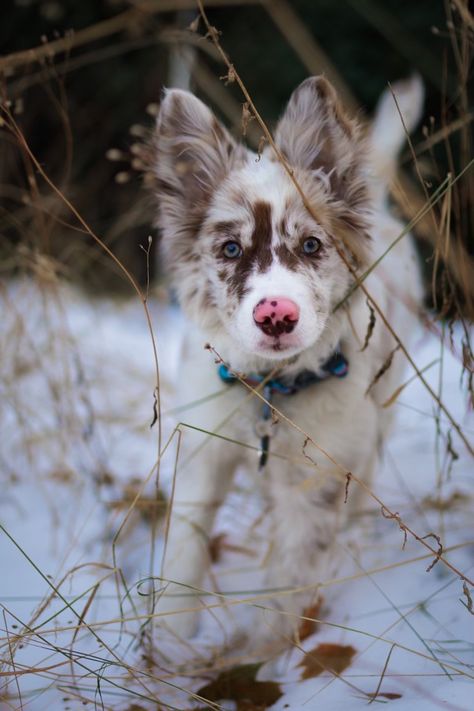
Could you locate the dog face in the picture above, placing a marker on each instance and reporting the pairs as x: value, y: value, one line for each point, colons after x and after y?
x: 247, y: 258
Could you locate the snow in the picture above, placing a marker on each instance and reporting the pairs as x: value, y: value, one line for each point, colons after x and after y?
x: 77, y: 378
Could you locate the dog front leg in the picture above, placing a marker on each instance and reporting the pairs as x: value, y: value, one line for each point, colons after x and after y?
x: 200, y: 487
x: 304, y: 525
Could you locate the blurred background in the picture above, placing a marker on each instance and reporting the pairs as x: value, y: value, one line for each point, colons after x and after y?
x: 86, y: 96
x: 84, y: 490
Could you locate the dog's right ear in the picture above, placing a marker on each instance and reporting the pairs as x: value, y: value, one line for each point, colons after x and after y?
x: 193, y: 154
x: 315, y: 133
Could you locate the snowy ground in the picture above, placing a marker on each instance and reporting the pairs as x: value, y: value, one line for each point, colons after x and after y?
x: 76, y: 385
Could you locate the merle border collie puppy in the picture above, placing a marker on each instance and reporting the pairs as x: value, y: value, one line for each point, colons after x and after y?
x: 261, y: 278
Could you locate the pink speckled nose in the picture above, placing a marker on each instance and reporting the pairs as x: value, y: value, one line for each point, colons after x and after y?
x: 276, y: 315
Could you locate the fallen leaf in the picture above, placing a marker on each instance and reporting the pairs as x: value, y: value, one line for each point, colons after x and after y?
x: 310, y: 626
x: 326, y: 657
x: 386, y: 695
x: 239, y: 684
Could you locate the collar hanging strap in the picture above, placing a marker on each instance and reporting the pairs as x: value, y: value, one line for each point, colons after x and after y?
x: 337, y: 366
x: 265, y: 427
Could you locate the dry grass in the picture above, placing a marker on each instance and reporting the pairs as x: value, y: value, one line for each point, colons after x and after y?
x: 75, y: 403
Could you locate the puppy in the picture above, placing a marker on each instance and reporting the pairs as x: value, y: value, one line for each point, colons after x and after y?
x: 268, y: 283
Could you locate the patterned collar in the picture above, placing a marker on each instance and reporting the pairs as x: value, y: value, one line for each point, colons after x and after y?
x: 337, y: 366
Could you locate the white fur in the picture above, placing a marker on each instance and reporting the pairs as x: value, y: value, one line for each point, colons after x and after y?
x: 305, y: 503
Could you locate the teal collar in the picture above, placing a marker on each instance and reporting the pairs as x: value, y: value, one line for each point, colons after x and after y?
x: 337, y: 366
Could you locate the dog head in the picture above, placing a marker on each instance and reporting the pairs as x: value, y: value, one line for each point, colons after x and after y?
x: 247, y: 258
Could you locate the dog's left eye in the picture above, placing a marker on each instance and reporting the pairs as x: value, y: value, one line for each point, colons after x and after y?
x: 311, y: 245
x: 232, y: 250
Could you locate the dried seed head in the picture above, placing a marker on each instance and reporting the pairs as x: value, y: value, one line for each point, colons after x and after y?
x: 114, y: 154
x: 122, y: 177
x: 137, y: 164
x: 19, y: 106
x: 149, y: 180
x: 153, y: 109
x: 51, y: 11
x: 138, y: 130
x: 194, y: 25
x: 230, y: 77
x: 246, y: 117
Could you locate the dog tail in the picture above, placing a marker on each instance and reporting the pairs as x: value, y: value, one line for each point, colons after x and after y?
x: 393, y: 122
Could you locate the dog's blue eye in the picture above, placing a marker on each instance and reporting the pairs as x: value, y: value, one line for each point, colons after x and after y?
x: 311, y: 245
x: 232, y: 250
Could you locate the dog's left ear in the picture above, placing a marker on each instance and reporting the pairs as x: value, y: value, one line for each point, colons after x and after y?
x: 315, y: 133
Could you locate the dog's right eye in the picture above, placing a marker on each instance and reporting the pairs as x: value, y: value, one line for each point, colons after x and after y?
x: 232, y: 250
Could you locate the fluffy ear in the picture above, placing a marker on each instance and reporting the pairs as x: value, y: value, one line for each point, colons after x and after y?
x: 315, y: 133
x: 193, y: 153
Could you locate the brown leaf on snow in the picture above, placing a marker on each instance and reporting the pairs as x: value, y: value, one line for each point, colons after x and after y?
x: 386, y: 695
x: 310, y: 626
x: 239, y: 684
x: 326, y: 657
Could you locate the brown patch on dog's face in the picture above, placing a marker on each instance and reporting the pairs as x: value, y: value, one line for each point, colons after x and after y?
x: 283, y: 227
x: 256, y: 257
x: 263, y: 243
x: 262, y: 235
x: 287, y: 257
